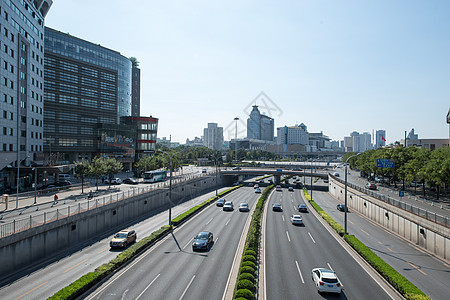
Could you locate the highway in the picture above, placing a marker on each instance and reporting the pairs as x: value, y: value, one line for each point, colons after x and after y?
x: 291, y: 252
x: 430, y: 274
x: 43, y: 280
x: 171, y: 270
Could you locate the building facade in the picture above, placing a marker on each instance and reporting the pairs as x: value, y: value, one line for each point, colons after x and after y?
x: 380, y: 139
x: 22, y: 84
x: 293, y: 135
x: 259, y: 126
x: 135, y: 90
x: 213, y: 136
x: 85, y: 85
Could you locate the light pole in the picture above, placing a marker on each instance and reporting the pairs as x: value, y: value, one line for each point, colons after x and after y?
x: 170, y: 187
x: 235, y: 141
x: 345, y: 195
x: 311, y: 181
x: 35, y: 185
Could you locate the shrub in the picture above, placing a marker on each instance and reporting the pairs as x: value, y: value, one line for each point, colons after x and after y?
x: 249, y: 258
x: 247, y: 276
x: 248, y: 264
x: 248, y: 270
x: 250, y: 252
x: 244, y: 293
x: 246, y: 284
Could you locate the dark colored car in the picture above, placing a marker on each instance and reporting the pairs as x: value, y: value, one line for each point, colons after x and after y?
x: 130, y: 181
x: 371, y: 186
x: 202, y: 241
x: 220, y: 202
x: 341, y: 207
x: 290, y: 189
x: 277, y: 207
x: 302, y: 208
x: 64, y: 183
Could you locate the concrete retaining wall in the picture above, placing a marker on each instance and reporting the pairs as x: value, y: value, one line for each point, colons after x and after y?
x: 39, y: 243
x: 425, y: 233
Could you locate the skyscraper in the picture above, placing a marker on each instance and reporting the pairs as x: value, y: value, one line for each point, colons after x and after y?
x: 259, y: 127
x: 380, y: 139
x: 213, y: 136
x: 22, y: 82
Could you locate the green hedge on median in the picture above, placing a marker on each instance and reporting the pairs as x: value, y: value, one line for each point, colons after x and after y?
x: 400, y: 283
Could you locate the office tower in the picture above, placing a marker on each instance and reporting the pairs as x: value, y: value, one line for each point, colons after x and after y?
x: 380, y: 139
x: 260, y: 127
x: 213, y: 136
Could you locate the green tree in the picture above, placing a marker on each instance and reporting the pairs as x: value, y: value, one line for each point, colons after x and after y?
x: 97, y: 169
x: 82, y: 169
x: 111, y: 166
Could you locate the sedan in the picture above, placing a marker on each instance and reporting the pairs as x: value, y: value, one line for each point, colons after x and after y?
x: 130, y: 181
x: 123, y: 238
x: 258, y: 190
x: 243, y: 207
x: 326, y: 281
x: 290, y: 189
x: 220, y: 202
x: 277, y: 207
x: 202, y: 241
x: 278, y: 188
x: 302, y: 208
x: 256, y: 186
x: 341, y: 207
x: 296, y: 220
x: 371, y: 186
x: 228, y: 206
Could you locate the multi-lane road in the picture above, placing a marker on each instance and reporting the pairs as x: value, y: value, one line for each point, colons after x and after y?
x: 291, y: 252
x: 172, y: 270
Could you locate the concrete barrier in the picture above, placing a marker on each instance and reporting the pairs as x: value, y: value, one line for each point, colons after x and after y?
x: 40, y: 243
x: 427, y: 234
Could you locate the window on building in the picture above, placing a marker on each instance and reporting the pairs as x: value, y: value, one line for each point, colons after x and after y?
x: 24, y: 119
x: 23, y: 148
x: 11, y: 148
x: 4, y: 147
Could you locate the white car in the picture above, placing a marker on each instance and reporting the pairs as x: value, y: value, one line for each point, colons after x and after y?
x: 113, y: 181
x: 296, y: 220
x: 326, y: 281
x: 243, y: 207
x: 278, y: 188
x: 228, y: 206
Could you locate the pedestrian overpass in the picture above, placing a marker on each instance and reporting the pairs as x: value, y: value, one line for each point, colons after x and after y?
x: 277, y: 173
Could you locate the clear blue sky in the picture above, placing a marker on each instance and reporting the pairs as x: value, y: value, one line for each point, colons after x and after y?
x: 337, y: 66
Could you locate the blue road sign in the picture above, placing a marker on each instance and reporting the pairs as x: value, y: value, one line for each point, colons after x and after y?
x: 401, y: 194
x: 385, y: 163
x: 279, y: 170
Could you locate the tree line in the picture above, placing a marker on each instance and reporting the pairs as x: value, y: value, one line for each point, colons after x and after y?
x: 431, y: 168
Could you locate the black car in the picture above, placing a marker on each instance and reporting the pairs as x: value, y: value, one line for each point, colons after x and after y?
x: 220, y: 202
x: 202, y: 241
x: 63, y: 183
x: 341, y: 207
x: 130, y: 181
x: 277, y: 207
x: 302, y: 208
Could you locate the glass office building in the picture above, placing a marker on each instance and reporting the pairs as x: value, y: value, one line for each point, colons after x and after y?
x: 85, y: 85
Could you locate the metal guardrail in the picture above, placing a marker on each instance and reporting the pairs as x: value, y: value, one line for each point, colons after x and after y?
x: 18, y: 225
x: 428, y: 215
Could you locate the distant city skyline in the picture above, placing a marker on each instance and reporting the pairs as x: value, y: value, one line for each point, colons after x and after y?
x: 336, y: 66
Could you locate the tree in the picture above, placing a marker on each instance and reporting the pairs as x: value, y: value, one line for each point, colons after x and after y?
x: 134, y: 62
x: 111, y: 166
x: 97, y: 169
x: 82, y: 169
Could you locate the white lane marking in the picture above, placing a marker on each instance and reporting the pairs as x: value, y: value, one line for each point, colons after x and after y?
x: 147, y: 287
x: 282, y: 216
x: 185, y: 290
x: 292, y: 200
x: 330, y: 267
x: 295, y: 208
x: 299, y: 272
x: 190, y: 241
x: 209, y: 221
x: 216, y: 240
x: 311, y: 237
x: 227, y: 222
x: 289, y: 239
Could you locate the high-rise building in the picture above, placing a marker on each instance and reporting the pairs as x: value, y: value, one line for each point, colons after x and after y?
x: 360, y: 142
x: 259, y: 126
x: 213, y: 136
x: 22, y: 84
x: 380, y: 139
x: 135, y: 88
x: 293, y: 135
x: 85, y: 85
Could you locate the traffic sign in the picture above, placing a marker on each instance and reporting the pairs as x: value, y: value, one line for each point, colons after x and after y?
x: 279, y: 170
x: 385, y: 163
x: 401, y: 194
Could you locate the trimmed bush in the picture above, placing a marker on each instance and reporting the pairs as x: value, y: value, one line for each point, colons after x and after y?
x: 248, y: 264
x: 246, y: 284
x: 248, y: 270
x: 249, y: 258
x: 240, y: 298
x: 250, y: 252
x: 247, y: 276
x: 244, y: 293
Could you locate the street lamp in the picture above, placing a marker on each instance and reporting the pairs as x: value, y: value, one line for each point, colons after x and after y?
x: 170, y: 187
x: 35, y: 184
x: 235, y: 141
x: 345, y: 195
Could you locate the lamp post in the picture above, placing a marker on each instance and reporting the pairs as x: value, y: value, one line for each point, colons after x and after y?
x: 235, y: 141
x: 170, y: 187
x: 35, y: 185
x: 345, y: 194
x: 311, y: 181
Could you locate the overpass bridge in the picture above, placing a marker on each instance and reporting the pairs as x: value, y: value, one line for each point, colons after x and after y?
x: 277, y: 173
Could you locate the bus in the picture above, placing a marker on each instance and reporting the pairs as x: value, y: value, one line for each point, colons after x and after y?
x: 155, y: 176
